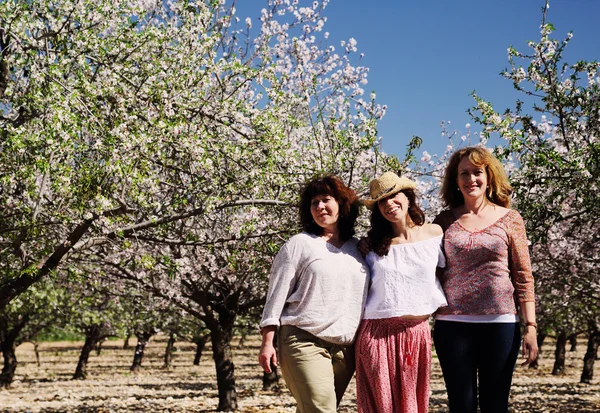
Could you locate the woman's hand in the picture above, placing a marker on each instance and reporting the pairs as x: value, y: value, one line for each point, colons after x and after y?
x: 530, y: 346
x: 364, y: 246
x: 267, y: 354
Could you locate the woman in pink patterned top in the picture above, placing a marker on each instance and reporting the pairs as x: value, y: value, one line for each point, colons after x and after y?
x: 477, y: 336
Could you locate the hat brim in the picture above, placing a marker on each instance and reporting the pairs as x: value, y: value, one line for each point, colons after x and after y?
x: 370, y: 203
x: 400, y: 185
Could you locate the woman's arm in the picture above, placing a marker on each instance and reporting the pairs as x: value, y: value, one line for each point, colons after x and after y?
x: 522, y: 278
x: 267, y: 354
x: 519, y: 262
x: 530, y: 346
x: 281, y: 283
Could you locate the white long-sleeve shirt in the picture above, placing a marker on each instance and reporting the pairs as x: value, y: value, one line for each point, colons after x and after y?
x: 318, y: 288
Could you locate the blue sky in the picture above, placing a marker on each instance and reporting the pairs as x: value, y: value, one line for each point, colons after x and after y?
x: 427, y: 56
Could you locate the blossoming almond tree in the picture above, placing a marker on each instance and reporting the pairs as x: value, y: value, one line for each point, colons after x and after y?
x: 25, y: 318
x: 552, y: 161
x: 122, y: 116
x: 121, y: 119
x: 556, y: 182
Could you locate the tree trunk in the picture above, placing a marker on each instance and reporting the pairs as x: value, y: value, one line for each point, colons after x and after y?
x: 243, y: 337
x: 92, y: 336
x: 99, y: 346
x: 14, y: 287
x: 10, y: 363
x: 126, y: 342
x: 169, y: 351
x: 590, y: 357
x: 200, y: 344
x: 221, y: 336
x: 540, y: 342
x: 36, y: 349
x: 8, y: 340
x: 573, y: 342
x: 271, y: 380
x: 142, y: 339
x: 559, y: 354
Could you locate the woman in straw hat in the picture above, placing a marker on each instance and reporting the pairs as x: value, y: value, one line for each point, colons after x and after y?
x: 477, y: 335
x: 317, y: 291
x: 393, y: 347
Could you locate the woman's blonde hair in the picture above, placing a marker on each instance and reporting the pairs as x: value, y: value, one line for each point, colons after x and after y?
x: 498, y: 188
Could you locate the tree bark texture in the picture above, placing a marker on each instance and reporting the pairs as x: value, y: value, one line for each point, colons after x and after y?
x: 10, y: 363
x: 99, y: 346
x: 221, y: 336
x: 8, y: 344
x: 243, y: 337
x: 559, y: 354
x: 573, y: 342
x: 93, y: 335
x: 126, y: 342
x: 13, y: 288
x: 169, y: 351
x: 142, y: 339
x: 200, y: 344
x: 590, y: 357
x: 271, y: 380
x: 36, y: 349
x: 540, y: 342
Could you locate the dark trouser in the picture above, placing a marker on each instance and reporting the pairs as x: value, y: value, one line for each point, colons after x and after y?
x: 466, y: 350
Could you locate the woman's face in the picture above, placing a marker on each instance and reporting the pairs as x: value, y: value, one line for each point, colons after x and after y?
x: 394, y: 208
x: 325, y: 211
x: 472, y: 180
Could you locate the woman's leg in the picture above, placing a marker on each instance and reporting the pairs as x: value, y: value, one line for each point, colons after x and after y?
x: 343, y: 369
x: 393, y: 365
x: 420, y: 386
x: 307, y: 367
x: 374, y: 374
x: 456, y: 348
x: 498, y: 352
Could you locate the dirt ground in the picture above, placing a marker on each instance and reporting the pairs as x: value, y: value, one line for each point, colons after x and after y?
x: 111, y: 387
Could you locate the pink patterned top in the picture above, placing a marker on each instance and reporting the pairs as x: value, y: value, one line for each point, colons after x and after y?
x: 485, y: 267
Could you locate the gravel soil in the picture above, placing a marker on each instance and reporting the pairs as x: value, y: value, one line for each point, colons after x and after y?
x: 111, y: 387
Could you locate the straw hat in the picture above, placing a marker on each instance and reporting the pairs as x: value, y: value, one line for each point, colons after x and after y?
x: 387, y: 184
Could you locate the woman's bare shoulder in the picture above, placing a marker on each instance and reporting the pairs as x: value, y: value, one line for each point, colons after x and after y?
x: 427, y: 231
x: 433, y: 230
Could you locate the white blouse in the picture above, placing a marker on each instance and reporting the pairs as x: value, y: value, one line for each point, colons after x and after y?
x: 403, y: 282
x: 318, y: 288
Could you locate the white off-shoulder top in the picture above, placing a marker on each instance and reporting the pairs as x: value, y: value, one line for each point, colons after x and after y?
x: 403, y: 282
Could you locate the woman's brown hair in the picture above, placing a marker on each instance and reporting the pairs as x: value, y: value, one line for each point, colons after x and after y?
x: 346, y: 198
x: 381, y: 232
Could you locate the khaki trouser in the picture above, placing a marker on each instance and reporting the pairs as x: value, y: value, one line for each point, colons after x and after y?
x: 316, y: 372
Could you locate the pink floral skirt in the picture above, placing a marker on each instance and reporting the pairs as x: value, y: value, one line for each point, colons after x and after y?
x: 393, y: 361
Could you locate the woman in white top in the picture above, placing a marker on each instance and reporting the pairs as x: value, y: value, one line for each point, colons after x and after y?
x: 393, y: 347
x: 317, y: 291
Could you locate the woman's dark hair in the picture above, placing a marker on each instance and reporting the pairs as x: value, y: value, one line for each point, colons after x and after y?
x: 345, y: 197
x: 381, y: 232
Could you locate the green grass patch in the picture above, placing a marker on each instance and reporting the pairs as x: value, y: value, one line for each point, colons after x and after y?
x: 60, y: 334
